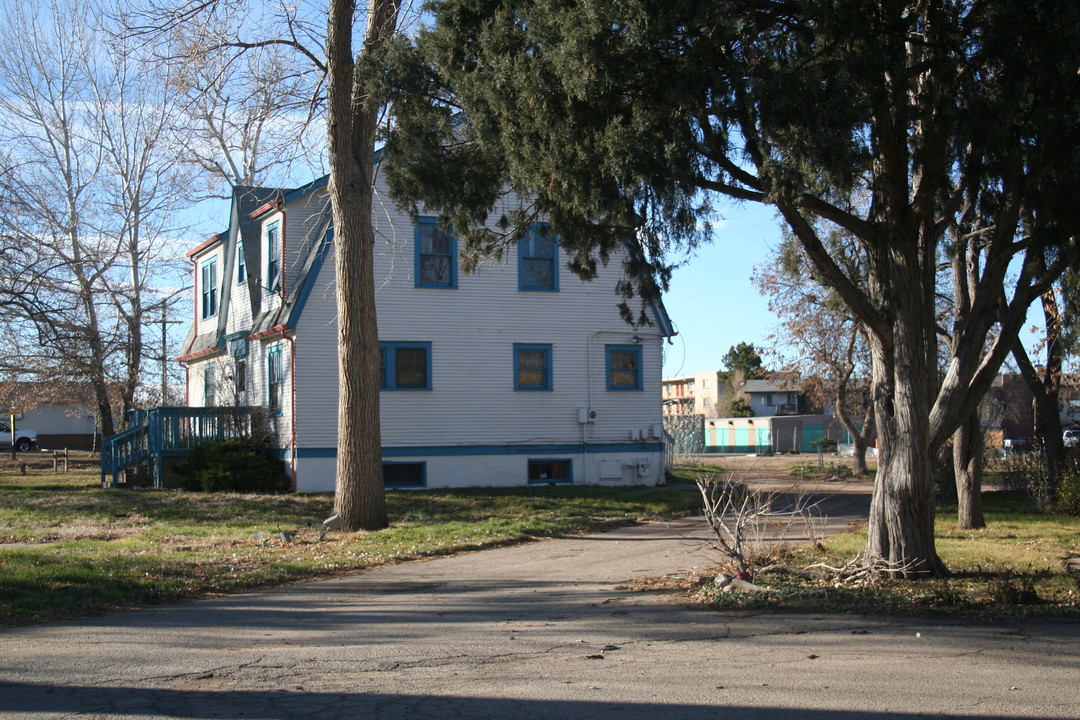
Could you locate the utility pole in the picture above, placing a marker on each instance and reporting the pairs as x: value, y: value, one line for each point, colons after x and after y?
x: 165, y: 323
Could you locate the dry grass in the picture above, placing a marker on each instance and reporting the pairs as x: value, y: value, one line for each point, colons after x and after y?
x: 69, y: 547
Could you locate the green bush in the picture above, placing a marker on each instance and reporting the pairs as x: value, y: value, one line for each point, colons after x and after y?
x: 1068, y: 491
x: 228, y: 466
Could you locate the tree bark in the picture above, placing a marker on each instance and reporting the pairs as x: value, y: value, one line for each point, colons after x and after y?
x: 900, y: 533
x: 967, y: 453
x: 359, y: 497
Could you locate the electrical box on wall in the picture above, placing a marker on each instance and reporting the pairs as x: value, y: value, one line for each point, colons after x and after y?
x: 586, y: 415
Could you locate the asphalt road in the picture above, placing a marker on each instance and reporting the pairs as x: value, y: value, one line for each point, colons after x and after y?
x: 543, y: 630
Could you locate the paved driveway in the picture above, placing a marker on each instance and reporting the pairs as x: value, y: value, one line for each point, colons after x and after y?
x: 544, y: 630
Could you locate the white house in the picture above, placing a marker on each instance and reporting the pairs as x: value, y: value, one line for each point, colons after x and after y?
x: 518, y: 372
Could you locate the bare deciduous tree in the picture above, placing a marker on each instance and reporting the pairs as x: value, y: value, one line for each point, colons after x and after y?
x: 88, y: 191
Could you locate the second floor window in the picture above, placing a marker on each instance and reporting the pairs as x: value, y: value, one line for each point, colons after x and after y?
x: 538, y: 259
x: 209, y: 288
x: 436, y: 255
x: 273, y: 257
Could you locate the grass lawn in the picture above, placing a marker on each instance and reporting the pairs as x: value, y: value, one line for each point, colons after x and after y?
x: 69, y: 548
x: 1011, y: 568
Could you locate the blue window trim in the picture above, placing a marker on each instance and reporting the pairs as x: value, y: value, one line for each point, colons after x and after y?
x: 273, y: 256
x: 568, y: 480
x: 526, y: 347
x: 209, y: 288
x: 524, y: 255
x: 609, y: 352
x: 275, y: 380
x: 241, y: 264
x: 430, y: 222
x: 387, y: 370
x: 423, y: 475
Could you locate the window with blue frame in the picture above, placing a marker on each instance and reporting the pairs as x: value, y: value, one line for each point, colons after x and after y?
x: 273, y: 257
x: 532, y: 367
x: 550, y: 472
x: 623, y: 365
x: 436, y: 255
x: 404, y: 474
x: 275, y: 378
x: 538, y: 259
x: 209, y: 386
x: 405, y: 365
x: 241, y: 264
x: 209, y: 288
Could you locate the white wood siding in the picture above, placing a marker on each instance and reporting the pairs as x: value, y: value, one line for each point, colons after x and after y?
x: 472, y: 330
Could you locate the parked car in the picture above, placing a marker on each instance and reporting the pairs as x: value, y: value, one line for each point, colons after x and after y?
x: 1071, y: 438
x: 24, y: 439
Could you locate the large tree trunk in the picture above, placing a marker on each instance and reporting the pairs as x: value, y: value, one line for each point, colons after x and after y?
x: 359, y: 499
x: 967, y: 453
x: 900, y: 532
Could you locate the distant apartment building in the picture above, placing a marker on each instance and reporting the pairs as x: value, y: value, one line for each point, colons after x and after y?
x: 699, y: 394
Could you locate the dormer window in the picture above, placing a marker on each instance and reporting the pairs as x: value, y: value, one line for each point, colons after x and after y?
x: 273, y: 257
x: 241, y: 264
x: 208, y: 288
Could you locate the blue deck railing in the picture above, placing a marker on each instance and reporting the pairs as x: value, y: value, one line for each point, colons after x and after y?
x: 162, y: 432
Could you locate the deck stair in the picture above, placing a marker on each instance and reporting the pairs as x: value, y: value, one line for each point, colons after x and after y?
x: 155, y: 434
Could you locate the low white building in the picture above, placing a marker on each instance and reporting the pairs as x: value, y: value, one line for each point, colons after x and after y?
x: 517, y: 373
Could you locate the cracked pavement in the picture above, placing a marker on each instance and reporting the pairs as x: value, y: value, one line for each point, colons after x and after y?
x: 542, y: 630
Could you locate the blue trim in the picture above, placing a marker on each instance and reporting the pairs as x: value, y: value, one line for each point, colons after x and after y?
x: 487, y: 450
x: 663, y: 320
x: 419, y: 225
x: 537, y: 234
x: 568, y: 480
x: 635, y: 350
x: 548, y: 374
x: 423, y: 475
x: 303, y: 190
x: 388, y: 370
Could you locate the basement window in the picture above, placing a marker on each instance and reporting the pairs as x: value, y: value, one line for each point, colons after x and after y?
x: 404, y: 474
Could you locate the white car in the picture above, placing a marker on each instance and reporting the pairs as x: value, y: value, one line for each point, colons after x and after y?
x: 1071, y: 438
x: 24, y: 439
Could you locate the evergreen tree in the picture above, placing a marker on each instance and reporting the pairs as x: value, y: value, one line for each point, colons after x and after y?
x: 745, y: 358
x: 621, y: 121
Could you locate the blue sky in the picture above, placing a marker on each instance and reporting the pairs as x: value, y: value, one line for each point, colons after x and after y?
x: 714, y: 304
x: 712, y: 301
